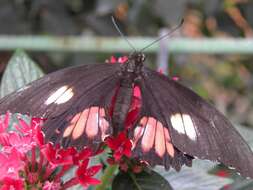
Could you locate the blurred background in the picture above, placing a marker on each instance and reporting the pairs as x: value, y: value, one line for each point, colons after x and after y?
x: 224, y: 79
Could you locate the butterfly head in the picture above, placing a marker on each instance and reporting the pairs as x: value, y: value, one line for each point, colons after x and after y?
x: 135, y: 62
x: 137, y: 57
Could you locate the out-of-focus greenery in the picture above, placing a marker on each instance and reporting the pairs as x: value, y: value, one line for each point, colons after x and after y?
x: 224, y: 79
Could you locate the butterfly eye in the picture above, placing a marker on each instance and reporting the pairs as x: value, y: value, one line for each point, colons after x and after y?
x: 143, y: 57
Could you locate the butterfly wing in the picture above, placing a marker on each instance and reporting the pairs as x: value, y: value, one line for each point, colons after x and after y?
x: 75, y: 102
x: 187, y: 123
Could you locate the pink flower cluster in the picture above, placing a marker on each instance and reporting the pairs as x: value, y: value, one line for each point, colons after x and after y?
x: 27, y: 162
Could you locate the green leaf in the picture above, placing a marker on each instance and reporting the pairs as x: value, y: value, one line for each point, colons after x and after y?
x: 20, y: 71
x: 240, y: 184
x: 247, y: 134
x: 141, y: 181
x: 196, y: 177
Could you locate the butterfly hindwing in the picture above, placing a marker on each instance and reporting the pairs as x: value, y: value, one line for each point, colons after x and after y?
x: 151, y: 136
x: 196, y: 128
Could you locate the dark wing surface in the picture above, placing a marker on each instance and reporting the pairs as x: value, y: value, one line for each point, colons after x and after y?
x: 74, y: 100
x: 185, y: 126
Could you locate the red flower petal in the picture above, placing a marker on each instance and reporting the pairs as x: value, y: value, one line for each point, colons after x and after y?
x: 121, y: 146
x: 84, y: 175
x: 113, y: 60
x: 4, y: 123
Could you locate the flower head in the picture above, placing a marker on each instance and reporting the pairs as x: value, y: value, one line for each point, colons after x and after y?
x: 85, y: 174
x: 120, y: 145
x: 114, y: 60
x: 26, y: 161
x: 11, y: 164
x: 12, y: 184
x: 57, y: 156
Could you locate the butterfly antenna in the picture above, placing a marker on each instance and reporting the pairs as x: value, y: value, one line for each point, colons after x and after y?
x: 164, y: 36
x: 122, y: 35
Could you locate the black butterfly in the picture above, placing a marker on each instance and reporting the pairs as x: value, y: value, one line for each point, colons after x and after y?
x: 174, y: 124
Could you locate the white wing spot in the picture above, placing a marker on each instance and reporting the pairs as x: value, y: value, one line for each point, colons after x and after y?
x: 177, y: 123
x: 189, y: 127
x: 60, y: 96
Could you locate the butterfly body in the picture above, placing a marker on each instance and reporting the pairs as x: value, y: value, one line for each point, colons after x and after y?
x: 129, y: 74
x: 173, y: 125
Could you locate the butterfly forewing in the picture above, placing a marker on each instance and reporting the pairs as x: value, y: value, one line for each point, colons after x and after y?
x: 196, y: 128
x: 75, y: 101
x: 54, y: 93
x: 87, y: 121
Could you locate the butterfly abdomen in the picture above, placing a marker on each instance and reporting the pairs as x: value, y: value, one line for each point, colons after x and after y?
x: 122, y: 105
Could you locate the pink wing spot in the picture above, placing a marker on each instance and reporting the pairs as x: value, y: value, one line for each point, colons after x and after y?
x: 103, y: 124
x: 170, y: 149
x: 169, y: 146
x: 175, y: 78
x: 71, y: 126
x: 149, y: 135
x: 166, y: 134
x: 159, y: 140
x: 101, y: 112
x: 80, y: 124
x: 138, y: 132
x: 92, y: 122
x: 160, y: 71
x: 143, y: 121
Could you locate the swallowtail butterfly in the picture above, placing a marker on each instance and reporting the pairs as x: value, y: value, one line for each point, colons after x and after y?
x: 174, y: 124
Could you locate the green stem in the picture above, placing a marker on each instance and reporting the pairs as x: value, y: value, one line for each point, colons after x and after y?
x: 106, y: 178
x: 134, y: 180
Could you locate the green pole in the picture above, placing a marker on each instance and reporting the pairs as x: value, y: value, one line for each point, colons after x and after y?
x: 109, y: 45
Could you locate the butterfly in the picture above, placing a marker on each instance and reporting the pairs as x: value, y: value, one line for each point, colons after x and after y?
x: 173, y: 126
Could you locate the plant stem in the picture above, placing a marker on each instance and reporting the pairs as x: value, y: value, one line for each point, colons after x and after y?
x: 106, y: 178
x: 134, y: 180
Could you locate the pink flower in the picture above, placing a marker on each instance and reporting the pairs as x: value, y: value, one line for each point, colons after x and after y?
x: 85, y: 175
x: 83, y: 155
x: 175, y: 78
x: 12, y: 184
x: 33, y: 130
x: 57, y: 156
x: 120, y: 145
x: 21, y: 143
x: 119, y: 60
x: 26, y: 161
x: 11, y: 164
x: 4, y: 123
x: 51, y: 185
x: 122, y: 59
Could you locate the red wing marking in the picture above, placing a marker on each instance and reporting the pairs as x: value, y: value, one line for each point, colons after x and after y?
x: 80, y: 124
x: 139, y: 130
x: 148, y: 138
x: 169, y: 146
x: 90, y: 122
x: 159, y: 139
x: 71, y: 126
x: 103, y: 123
x: 153, y: 134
